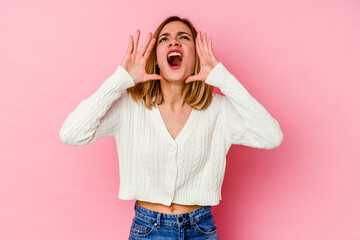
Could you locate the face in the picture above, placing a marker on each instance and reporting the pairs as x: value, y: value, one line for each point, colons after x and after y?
x: 176, y: 36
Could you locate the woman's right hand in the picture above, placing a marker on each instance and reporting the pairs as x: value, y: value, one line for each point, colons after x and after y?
x: 134, y: 61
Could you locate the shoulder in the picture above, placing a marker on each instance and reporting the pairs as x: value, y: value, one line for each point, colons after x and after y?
x: 123, y: 103
x: 215, y: 106
x: 132, y: 104
x: 217, y: 97
x: 218, y: 100
x: 219, y: 103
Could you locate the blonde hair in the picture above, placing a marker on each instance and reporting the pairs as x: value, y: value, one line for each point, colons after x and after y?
x: 149, y: 93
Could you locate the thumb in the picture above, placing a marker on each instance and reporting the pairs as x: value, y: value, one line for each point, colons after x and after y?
x: 153, y: 77
x: 191, y: 79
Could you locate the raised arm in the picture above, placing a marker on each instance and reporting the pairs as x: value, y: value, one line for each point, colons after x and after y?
x: 246, y: 121
x: 98, y: 115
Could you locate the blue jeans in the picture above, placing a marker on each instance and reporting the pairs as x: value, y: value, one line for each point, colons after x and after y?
x: 197, y: 224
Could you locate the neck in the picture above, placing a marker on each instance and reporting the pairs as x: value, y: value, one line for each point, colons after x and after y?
x: 174, y: 94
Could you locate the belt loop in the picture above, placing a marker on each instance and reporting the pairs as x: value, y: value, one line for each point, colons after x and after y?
x: 158, y: 220
x: 192, y: 220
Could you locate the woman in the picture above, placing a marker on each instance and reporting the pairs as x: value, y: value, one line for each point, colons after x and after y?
x: 172, y: 132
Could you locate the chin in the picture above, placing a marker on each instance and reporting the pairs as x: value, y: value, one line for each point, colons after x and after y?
x: 174, y: 78
x: 177, y: 75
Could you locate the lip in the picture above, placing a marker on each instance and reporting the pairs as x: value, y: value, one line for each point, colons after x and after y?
x: 174, y: 50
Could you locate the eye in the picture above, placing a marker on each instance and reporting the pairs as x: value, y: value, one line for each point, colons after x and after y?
x: 162, y: 39
x: 185, y: 37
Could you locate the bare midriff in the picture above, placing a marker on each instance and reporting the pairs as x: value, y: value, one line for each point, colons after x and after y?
x: 174, y: 208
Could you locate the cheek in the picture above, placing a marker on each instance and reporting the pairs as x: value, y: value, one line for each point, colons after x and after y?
x: 160, y: 56
x: 192, y: 56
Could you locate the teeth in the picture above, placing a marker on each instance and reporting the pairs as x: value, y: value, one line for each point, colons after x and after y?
x: 174, y: 54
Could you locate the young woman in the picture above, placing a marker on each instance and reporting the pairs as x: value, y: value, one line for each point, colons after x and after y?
x: 172, y: 132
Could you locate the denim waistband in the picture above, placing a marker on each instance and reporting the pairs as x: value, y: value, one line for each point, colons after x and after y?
x: 172, y: 219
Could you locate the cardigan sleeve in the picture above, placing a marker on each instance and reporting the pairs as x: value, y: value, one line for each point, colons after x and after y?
x: 98, y: 115
x: 246, y: 121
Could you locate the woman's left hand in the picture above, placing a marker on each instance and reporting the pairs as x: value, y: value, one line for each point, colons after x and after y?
x: 207, y: 58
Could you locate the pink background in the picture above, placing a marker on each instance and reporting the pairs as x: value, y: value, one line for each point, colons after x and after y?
x: 300, y: 59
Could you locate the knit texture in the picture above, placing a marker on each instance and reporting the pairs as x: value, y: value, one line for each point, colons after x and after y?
x: 154, y: 167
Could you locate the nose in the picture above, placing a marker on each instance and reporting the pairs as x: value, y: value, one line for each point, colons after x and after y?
x: 174, y: 42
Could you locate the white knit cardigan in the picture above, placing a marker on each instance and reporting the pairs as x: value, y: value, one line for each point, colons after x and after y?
x: 156, y: 168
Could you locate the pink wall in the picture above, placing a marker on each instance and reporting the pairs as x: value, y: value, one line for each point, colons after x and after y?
x: 300, y: 59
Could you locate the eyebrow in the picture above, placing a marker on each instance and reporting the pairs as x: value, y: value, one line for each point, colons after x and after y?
x: 179, y: 33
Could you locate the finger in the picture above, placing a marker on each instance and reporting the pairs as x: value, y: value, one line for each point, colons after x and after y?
x: 150, y: 47
x: 131, y: 46
x: 200, y: 53
x: 193, y: 78
x: 137, y: 36
x: 199, y: 46
x: 152, y: 77
x: 146, y: 44
x: 211, y: 52
x: 189, y: 79
x: 201, y: 43
x: 205, y: 44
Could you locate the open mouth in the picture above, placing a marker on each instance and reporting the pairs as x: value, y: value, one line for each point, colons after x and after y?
x: 174, y: 59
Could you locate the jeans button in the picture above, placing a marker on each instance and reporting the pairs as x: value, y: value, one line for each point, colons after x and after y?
x: 181, y: 219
